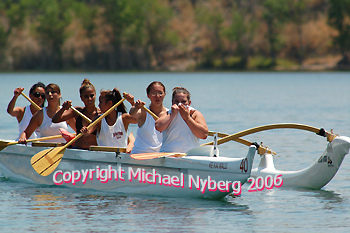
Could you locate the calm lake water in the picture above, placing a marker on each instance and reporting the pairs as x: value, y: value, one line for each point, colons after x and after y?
x: 230, y: 102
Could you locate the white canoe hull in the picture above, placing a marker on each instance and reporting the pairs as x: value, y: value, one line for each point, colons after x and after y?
x: 167, y: 176
x: 313, y: 177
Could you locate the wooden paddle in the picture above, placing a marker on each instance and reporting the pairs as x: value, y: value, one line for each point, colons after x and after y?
x: 155, y: 155
x: 4, y: 144
x: 108, y: 149
x: 46, y: 161
x: 151, y: 113
x: 261, y: 149
x: 81, y: 114
x: 31, y: 101
x: 319, y: 131
x: 73, y: 108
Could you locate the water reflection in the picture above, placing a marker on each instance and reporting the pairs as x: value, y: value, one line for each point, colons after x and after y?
x: 46, y: 201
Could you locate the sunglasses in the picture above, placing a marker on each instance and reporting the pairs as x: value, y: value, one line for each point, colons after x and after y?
x: 38, y: 94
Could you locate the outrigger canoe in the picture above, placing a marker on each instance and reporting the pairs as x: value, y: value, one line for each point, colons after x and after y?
x: 166, y: 174
x: 195, y: 174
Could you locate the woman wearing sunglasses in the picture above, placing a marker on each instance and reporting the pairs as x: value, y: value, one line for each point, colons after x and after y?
x: 88, y: 96
x: 43, y: 118
x: 24, y: 114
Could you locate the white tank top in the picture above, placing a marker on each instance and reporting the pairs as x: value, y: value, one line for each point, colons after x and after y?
x: 178, y: 137
x: 47, y: 128
x: 148, y: 139
x: 114, y: 135
x: 25, y: 122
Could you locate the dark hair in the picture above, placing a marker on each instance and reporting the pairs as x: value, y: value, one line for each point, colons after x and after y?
x: 148, y: 89
x: 54, y: 87
x: 177, y: 90
x: 115, y: 97
x: 35, y: 86
x: 85, y: 85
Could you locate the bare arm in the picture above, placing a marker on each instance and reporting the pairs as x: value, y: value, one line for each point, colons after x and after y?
x: 138, y: 112
x: 165, y: 119
x: 65, y: 113
x: 34, y: 123
x: 131, y: 140
x: 128, y: 119
x: 196, y: 123
x: 17, y: 112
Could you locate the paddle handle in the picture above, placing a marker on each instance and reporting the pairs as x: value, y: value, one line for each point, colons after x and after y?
x: 38, y: 139
x: 81, y: 114
x: 151, y: 113
x: 95, y: 122
x: 44, y: 138
x: 31, y: 101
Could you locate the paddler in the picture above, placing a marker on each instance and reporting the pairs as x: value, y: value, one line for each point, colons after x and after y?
x: 88, y: 96
x: 148, y: 139
x: 24, y: 114
x: 112, y: 130
x: 43, y: 118
x: 183, y: 125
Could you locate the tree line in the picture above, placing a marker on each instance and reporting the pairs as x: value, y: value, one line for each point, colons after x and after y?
x: 153, y: 34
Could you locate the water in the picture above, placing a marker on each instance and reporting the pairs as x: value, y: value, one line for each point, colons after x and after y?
x: 230, y: 102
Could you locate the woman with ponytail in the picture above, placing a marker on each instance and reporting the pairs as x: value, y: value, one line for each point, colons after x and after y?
x: 112, y: 130
x: 88, y: 96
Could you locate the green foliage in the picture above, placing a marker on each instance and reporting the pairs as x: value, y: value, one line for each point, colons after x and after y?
x: 86, y: 14
x: 240, y: 33
x: 286, y: 63
x: 212, y: 20
x: 120, y: 14
x: 3, y: 38
x: 157, y: 20
x: 260, y: 63
x: 275, y: 14
x: 338, y: 17
x: 156, y: 17
x: 142, y: 31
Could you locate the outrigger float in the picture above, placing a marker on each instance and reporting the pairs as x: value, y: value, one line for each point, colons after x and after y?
x: 316, y: 175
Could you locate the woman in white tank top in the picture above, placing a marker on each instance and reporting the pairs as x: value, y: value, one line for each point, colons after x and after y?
x: 112, y: 130
x: 182, y: 126
x: 42, y: 119
x: 24, y: 114
x: 148, y: 139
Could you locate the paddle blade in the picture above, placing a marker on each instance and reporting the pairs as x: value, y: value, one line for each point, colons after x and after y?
x: 4, y: 144
x: 46, y: 161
